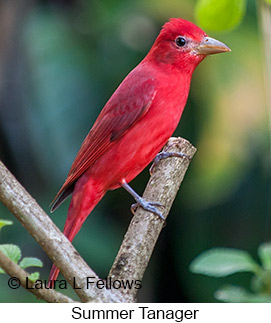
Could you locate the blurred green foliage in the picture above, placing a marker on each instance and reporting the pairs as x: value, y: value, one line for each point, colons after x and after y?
x: 221, y: 262
x: 220, y: 15
x: 65, y: 59
x: 13, y: 252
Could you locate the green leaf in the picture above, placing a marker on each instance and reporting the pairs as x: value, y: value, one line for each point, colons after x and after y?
x: 234, y: 294
x: 12, y: 251
x: 222, y: 15
x: 34, y: 276
x: 30, y: 262
x: 261, y: 283
x: 268, y: 1
x: 264, y: 252
x: 4, y: 223
x: 220, y: 262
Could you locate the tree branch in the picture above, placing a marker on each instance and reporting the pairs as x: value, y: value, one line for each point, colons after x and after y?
x: 50, y: 238
x: 13, y: 270
x: 140, y: 239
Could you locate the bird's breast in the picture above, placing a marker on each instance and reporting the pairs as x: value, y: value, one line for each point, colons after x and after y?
x: 143, y: 141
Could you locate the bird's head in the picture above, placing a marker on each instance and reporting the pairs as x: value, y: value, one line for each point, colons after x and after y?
x: 184, y: 45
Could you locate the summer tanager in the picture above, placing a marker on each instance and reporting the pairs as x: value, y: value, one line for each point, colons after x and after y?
x: 135, y: 123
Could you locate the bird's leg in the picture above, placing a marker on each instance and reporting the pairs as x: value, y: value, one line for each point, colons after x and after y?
x: 165, y: 154
x: 146, y: 205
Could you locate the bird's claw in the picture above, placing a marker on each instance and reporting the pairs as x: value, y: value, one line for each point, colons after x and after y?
x: 164, y: 155
x: 148, y: 206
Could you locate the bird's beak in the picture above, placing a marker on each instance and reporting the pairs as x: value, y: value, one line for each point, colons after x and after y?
x: 211, y: 46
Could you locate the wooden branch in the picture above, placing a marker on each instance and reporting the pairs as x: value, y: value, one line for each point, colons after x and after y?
x: 20, y: 279
x: 50, y: 238
x: 140, y: 239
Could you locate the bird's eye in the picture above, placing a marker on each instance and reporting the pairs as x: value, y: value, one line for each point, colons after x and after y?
x: 180, y: 41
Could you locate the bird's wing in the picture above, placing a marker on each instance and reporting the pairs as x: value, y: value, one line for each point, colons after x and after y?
x: 126, y: 106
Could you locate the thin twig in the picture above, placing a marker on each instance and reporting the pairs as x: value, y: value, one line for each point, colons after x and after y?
x: 50, y: 238
x: 20, y: 279
x: 140, y: 239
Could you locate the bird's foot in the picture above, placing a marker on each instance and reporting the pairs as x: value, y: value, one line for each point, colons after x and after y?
x: 147, y: 206
x: 164, y: 155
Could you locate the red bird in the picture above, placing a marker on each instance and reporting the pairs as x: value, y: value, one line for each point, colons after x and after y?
x: 135, y: 123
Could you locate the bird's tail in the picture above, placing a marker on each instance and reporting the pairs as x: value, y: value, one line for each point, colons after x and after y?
x: 86, y: 195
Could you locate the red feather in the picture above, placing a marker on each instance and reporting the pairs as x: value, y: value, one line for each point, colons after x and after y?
x: 136, y: 122
x: 120, y: 113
